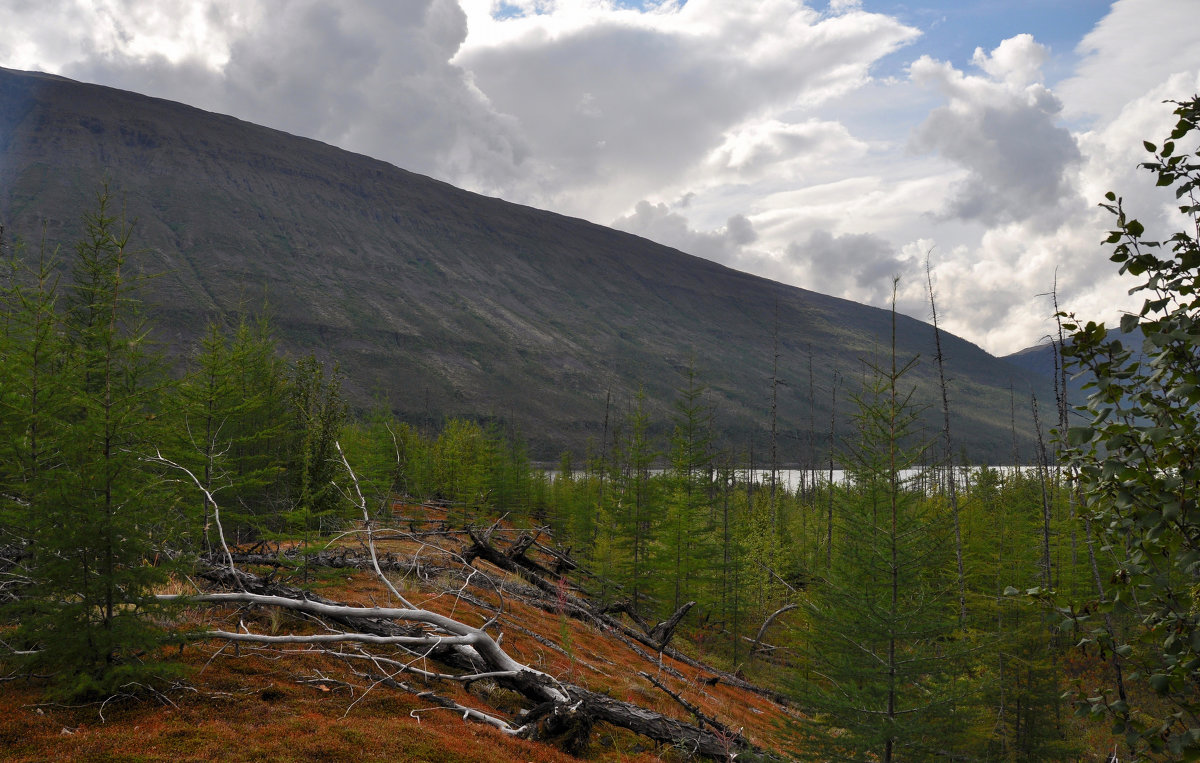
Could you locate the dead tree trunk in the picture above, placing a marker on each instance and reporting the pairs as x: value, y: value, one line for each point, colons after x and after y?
x: 948, y: 454
x: 662, y: 632
x: 767, y: 624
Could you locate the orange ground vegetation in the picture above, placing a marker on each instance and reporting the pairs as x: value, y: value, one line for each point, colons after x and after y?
x: 290, y: 703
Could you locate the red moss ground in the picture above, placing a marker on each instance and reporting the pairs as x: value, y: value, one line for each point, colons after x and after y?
x: 290, y: 704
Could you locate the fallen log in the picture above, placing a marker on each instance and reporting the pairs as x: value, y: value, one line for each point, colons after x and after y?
x: 689, y: 738
x: 342, y: 560
x: 623, y: 605
x: 728, y: 678
x: 572, y: 606
x: 563, y: 563
x: 254, y: 584
x: 563, y: 701
x: 448, y: 631
x: 701, y: 718
x: 517, y: 553
x: 481, y: 549
x: 560, y: 708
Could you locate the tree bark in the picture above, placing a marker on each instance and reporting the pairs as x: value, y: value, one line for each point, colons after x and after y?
x: 663, y: 632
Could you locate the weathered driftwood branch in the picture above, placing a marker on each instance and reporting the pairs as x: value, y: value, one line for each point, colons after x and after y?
x: 454, y: 632
x: 468, y: 713
x: 762, y: 631
x: 362, y: 504
x: 462, y: 659
x: 431, y: 640
x: 397, y: 667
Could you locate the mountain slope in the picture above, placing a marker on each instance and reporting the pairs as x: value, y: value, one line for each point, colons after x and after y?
x: 444, y: 302
x: 1043, y: 360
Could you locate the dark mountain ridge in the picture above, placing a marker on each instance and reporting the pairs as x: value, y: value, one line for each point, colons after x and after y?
x: 1044, y: 360
x: 442, y: 302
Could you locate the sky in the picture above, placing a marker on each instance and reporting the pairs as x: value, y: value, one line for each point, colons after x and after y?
x: 830, y: 144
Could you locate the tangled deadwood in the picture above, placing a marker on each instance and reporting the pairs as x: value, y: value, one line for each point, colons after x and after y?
x: 386, y: 643
x: 561, y: 712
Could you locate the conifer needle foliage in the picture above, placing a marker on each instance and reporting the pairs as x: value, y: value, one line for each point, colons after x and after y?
x: 878, y: 635
x: 81, y: 497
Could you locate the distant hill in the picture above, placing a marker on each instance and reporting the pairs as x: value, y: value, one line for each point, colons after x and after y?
x: 1043, y: 360
x: 1040, y: 359
x: 442, y: 302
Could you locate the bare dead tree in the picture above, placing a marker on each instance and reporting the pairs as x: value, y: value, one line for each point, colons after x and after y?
x: 948, y: 452
x: 1042, y: 479
x: 775, y: 382
x: 832, y: 430
x: 762, y: 631
x: 208, y: 497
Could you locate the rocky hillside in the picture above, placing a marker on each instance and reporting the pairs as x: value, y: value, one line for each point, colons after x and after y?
x: 442, y: 302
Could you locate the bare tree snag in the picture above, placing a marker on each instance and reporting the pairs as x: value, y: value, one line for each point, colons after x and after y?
x: 362, y: 504
x: 952, y: 482
x: 1043, y: 478
x: 482, y: 549
x: 762, y: 631
x: 663, y: 632
x: 624, y: 605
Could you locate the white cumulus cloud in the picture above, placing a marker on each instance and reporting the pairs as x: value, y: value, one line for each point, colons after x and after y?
x: 1003, y: 129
